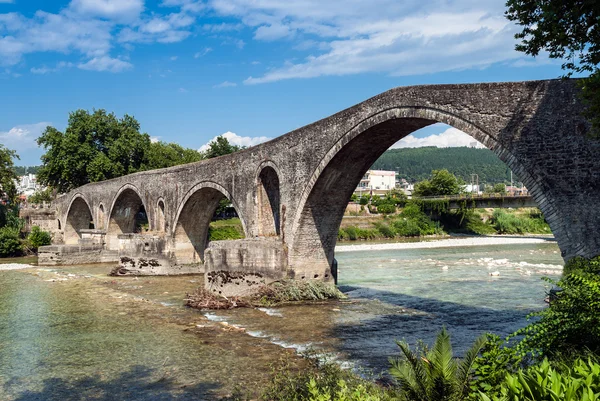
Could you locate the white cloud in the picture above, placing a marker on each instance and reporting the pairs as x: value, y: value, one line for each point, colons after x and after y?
x: 451, y: 137
x: 105, y: 63
x: 90, y: 28
x: 7, y: 1
x: 222, y: 27
x: 225, y: 84
x: 23, y: 137
x: 355, y: 36
x: 47, y: 70
x: 203, y: 53
x: 120, y: 10
x: 46, y: 32
x: 182, y: 90
x: 170, y: 28
x: 155, y: 139
x: 235, y: 139
x: 193, y: 6
x: 174, y: 58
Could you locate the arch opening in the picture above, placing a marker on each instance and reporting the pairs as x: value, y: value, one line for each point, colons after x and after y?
x: 160, y: 217
x: 101, y: 217
x: 269, y: 203
x: 128, y: 215
x: 206, y: 215
x: 78, y: 218
x: 318, y: 218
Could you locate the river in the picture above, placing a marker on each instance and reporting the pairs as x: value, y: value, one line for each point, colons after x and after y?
x: 72, y: 333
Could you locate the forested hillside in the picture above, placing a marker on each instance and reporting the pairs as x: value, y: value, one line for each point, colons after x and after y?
x: 415, y: 164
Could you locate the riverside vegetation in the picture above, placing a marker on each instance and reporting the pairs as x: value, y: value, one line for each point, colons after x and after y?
x: 553, y: 358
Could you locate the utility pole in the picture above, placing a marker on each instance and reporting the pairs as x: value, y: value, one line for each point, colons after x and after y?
x: 475, y: 182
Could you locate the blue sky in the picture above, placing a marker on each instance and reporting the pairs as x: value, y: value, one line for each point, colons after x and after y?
x: 190, y: 70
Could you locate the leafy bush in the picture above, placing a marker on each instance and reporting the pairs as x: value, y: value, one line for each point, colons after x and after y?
x: 510, y: 223
x: 541, y: 382
x: 434, y: 375
x: 322, y: 382
x: 10, y: 245
x: 571, y: 324
x: 386, y: 208
x: 386, y: 230
x: 492, y: 365
x: 37, y: 238
x: 407, y: 228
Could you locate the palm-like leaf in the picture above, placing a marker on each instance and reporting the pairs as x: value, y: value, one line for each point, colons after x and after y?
x: 436, y: 376
x: 466, y: 365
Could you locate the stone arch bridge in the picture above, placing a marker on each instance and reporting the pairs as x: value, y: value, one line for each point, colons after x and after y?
x: 291, y: 192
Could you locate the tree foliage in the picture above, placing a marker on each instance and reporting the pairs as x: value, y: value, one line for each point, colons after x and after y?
x: 8, y: 190
x: 571, y: 324
x: 99, y: 146
x: 41, y: 196
x: 162, y: 155
x: 220, y: 147
x: 442, y: 182
x: 569, y: 30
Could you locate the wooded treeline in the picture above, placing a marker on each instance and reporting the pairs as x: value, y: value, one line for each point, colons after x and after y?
x: 416, y: 164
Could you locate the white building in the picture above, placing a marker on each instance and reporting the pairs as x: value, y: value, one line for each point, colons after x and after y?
x: 27, y: 185
x: 376, y: 182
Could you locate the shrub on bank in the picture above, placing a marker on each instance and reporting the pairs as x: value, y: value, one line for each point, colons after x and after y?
x: 570, y: 326
x: 322, y: 382
x: 37, y: 238
x: 10, y: 245
x: 511, y: 223
x: 579, y: 381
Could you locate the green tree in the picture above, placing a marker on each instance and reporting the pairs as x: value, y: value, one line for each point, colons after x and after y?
x: 8, y: 190
x: 569, y: 31
x: 99, y: 146
x: 220, y: 147
x: 442, y: 182
x: 162, y: 155
x: 41, y: 196
x: 94, y: 147
x: 435, y: 375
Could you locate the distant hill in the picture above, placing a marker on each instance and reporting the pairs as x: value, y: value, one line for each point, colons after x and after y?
x: 22, y: 170
x: 415, y: 164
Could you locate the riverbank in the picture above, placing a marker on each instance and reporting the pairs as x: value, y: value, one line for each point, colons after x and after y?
x: 457, y: 241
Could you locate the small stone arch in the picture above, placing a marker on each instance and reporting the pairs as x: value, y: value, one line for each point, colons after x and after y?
x: 127, y: 215
x: 161, y: 223
x: 190, y: 231
x: 268, y: 200
x: 78, y: 217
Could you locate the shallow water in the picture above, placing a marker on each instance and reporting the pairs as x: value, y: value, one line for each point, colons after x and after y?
x: 75, y: 334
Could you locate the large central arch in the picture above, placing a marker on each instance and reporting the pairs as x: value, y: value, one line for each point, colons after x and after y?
x: 322, y: 204
x: 190, y: 233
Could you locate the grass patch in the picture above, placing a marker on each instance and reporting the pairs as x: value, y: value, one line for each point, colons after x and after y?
x: 277, y: 293
x: 220, y: 230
